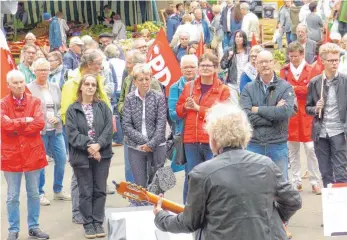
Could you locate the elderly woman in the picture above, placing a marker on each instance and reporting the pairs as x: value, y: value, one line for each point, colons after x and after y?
x: 186, y: 26
x: 249, y: 71
x: 197, y: 97
x: 144, y: 123
x: 58, y: 71
x: 50, y: 96
x: 235, y: 59
x: 89, y: 130
x: 238, y: 194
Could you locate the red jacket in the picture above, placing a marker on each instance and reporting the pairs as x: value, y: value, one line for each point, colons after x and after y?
x: 22, y: 148
x: 317, y: 68
x: 300, y: 125
x: 194, y: 126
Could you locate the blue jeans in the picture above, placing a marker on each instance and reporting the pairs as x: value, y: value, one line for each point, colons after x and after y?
x: 59, y: 156
x: 227, y: 41
x: 277, y: 152
x: 129, y: 177
x: 293, y: 37
x: 118, y: 136
x: 196, y: 153
x: 13, y: 180
x: 288, y: 38
x: 66, y: 141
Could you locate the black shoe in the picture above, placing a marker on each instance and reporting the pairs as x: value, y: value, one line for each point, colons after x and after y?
x: 12, y: 236
x: 38, y: 234
x: 99, y: 229
x: 89, y: 231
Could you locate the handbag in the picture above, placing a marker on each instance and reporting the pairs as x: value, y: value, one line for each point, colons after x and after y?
x: 175, y: 144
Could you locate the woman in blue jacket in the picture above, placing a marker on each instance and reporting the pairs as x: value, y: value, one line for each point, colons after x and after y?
x: 189, y: 66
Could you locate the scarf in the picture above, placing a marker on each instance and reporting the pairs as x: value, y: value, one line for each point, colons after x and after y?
x: 58, y: 69
x: 250, y: 71
x: 297, y: 71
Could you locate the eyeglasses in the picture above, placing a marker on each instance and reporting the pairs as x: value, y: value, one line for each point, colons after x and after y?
x: 332, y: 61
x: 264, y: 61
x: 143, y: 80
x: 87, y: 84
x: 42, y: 70
x: 206, y: 66
x: 253, y: 56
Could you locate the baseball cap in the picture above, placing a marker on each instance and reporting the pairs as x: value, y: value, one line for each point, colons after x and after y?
x: 76, y: 41
x: 47, y: 16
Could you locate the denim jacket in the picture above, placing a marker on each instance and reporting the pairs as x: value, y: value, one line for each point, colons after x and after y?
x: 55, y: 40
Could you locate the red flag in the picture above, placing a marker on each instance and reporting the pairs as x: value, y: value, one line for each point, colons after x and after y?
x: 164, y: 64
x: 254, y: 41
x: 317, y: 68
x: 327, y: 34
x: 7, y: 64
x: 200, y: 50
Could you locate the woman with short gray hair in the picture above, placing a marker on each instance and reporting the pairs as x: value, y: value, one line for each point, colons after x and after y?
x: 50, y: 96
x: 258, y: 196
x: 144, y: 123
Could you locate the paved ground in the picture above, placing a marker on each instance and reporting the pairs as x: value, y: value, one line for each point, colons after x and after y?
x: 56, y: 218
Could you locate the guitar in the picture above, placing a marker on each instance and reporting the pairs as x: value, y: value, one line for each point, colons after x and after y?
x: 140, y: 194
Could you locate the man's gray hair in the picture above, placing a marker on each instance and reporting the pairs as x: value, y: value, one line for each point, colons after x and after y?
x: 227, y: 124
x: 30, y: 34
x: 302, y: 25
x: 189, y: 58
x: 137, y: 42
x: 184, y: 34
x: 40, y: 62
x: 14, y: 74
x: 244, y: 6
x: 112, y: 51
x: 138, y: 57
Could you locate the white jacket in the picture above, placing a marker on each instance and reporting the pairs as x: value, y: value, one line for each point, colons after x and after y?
x: 189, y: 28
x: 250, y: 25
x: 119, y: 30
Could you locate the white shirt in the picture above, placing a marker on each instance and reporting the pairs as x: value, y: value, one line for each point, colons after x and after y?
x: 228, y: 19
x: 119, y: 66
x: 304, y: 11
x: 297, y: 71
x: 119, y: 30
x: 200, y: 29
x: 143, y: 126
x: 250, y: 25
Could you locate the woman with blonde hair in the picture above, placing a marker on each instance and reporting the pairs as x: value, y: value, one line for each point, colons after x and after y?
x: 186, y: 26
x: 237, y: 194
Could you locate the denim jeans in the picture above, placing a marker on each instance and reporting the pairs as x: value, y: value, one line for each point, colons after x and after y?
x: 288, y: 38
x: 13, y: 180
x: 129, y: 177
x: 66, y: 141
x: 277, y: 152
x: 118, y: 136
x: 196, y: 153
x: 227, y: 40
x: 59, y: 156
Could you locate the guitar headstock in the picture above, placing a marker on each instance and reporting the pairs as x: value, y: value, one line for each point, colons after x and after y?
x: 131, y: 191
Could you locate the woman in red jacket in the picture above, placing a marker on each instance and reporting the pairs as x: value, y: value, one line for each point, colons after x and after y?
x: 297, y: 73
x: 197, y: 97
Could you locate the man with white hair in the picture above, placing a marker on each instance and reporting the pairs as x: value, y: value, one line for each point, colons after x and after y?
x: 72, y: 58
x: 202, y: 25
x: 250, y: 23
x: 140, y: 44
x: 308, y: 44
x: 22, y: 153
x: 181, y: 49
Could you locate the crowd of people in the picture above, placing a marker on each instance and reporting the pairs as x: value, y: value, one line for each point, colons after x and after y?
x: 74, y: 106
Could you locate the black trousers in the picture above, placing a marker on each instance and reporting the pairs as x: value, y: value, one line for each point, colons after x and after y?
x: 331, y: 153
x: 92, y: 187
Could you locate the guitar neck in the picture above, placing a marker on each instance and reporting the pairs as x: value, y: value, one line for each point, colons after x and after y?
x: 166, y: 204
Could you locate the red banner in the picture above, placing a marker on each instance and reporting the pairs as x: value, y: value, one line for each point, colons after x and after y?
x: 7, y: 64
x: 164, y: 64
x: 200, y: 50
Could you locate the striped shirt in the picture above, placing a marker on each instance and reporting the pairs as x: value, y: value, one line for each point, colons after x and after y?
x: 331, y: 125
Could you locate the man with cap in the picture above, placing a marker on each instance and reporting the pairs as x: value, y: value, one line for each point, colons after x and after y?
x: 106, y: 39
x: 72, y: 57
x: 55, y: 39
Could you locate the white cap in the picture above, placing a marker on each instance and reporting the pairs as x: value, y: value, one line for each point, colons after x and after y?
x: 75, y: 41
x: 335, y: 36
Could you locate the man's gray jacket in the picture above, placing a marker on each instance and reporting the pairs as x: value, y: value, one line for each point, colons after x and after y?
x: 270, y: 124
x: 238, y: 195
x: 313, y: 96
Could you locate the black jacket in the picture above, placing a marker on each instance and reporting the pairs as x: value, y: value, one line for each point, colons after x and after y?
x: 313, y: 96
x: 77, y: 132
x: 237, y: 195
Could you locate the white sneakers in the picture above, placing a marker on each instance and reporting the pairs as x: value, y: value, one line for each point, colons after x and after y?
x: 57, y: 196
